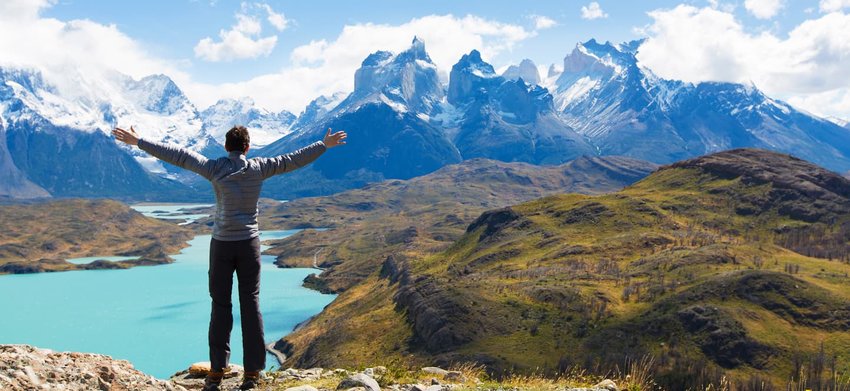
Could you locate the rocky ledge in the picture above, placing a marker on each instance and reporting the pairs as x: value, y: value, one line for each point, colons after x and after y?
x: 24, y: 367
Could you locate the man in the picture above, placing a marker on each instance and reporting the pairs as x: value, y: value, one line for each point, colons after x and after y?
x: 235, y: 243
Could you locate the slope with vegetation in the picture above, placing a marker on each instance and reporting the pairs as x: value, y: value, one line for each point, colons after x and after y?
x: 40, y: 236
x: 731, y: 267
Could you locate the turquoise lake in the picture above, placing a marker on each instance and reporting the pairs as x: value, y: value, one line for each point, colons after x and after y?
x: 154, y: 316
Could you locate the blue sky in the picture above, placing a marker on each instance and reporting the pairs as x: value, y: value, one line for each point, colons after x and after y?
x: 171, y: 29
x: 285, y: 53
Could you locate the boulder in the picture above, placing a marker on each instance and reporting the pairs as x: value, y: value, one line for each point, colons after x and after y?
x: 435, y: 371
x: 203, y: 368
x: 607, y: 385
x: 359, y: 380
x: 376, y: 371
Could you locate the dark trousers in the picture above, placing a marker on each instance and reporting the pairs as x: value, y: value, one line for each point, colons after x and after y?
x: 243, y: 256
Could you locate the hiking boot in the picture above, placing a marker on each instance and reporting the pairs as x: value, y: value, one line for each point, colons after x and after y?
x: 213, y: 381
x: 250, y: 380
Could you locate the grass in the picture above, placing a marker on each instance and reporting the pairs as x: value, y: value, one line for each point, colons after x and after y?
x: 40, y: 236
x: 635, y: 377
x: 590, y: 281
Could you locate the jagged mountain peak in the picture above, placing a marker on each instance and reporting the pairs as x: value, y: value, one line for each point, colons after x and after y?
x: 416, y: 51
x: 526, y: 70
x: 265, y: 126
x: 408, y: 80
x: 159, y: 94
x: 594, y: 57
x: 474, y: 64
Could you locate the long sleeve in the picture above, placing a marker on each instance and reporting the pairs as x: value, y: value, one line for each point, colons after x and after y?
x: 284, y: 163
x: 178, y: 156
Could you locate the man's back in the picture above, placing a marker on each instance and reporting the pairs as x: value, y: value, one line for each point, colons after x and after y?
x: 237, y: 182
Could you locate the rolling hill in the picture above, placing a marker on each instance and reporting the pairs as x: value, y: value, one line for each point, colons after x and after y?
x: 729, y: 265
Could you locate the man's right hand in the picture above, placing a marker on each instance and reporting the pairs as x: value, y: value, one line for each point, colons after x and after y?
x: 128, y: 137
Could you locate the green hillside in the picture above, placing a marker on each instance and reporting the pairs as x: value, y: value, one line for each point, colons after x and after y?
x: 40, y: 236
x: 733, y: 264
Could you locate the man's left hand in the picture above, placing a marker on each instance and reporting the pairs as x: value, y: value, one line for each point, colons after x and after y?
x: 332, y: 140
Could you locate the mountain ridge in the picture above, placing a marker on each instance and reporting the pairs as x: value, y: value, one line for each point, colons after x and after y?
x: 603, y: 102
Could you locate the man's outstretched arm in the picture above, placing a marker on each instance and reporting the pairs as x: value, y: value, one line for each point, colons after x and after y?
x: 300, y: 158
x: 180, y: 157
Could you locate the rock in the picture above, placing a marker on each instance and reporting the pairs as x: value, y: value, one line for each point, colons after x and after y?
x: 312, y: 374
x: 455, y: 376
x: 376, y: 371
x: 24, y: 367
x: 434, y: 381
x: 305, y: 387
x: 605, y: 385
x: 435, y: 387
x: 200, y: 368
x: 435, y: 371
x: 417, y: 387
x: 359, y: 380
x: 608, y: 385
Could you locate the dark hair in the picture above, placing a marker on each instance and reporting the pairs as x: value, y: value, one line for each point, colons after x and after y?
x: 237, y: 139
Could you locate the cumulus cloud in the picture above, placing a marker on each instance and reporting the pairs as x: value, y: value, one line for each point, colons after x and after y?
x: 316, y: 68
x: 243, y: 39
x: 593, y: 11
x: 763, y: 9
x: 807, y: 68
x: 542, y: 22
x: 323, y: 67
x: 833, y: 5
x: 53, y: 46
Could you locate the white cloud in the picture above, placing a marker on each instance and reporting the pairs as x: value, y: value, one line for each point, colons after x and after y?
x: 22, y: 9
x: 725, y: 7
x: 53, y: 46
x: 278, y: 20
x: 323, y: 67
x: 542, y: 22
x: 592, y: 11
x: 764, y: 9
x: 807, y: 68
x: 317, y: 68
x: 833, y: 5
x: 241, y: 41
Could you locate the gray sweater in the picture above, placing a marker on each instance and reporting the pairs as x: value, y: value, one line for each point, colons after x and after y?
x: 237, y: 181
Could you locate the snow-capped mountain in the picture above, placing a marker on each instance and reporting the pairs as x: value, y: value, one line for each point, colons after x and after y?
x: 57, y: 132
x: 407, y: 81
x: 317, y: 109
x: 402, y: 122
x: 265, y: 127
x: 526, y: 70
x: 624, y: 109
x: 387, y: 117
x: 506, y: 120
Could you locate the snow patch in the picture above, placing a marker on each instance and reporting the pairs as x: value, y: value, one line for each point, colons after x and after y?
x: 576, y: 91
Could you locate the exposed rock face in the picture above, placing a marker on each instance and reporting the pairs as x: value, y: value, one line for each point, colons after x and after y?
x: 23, y: 367
x: 494, y: 220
